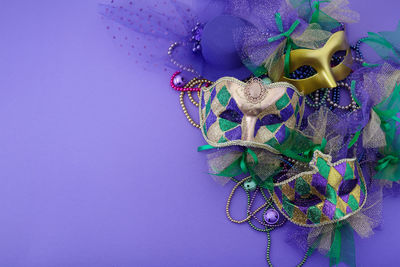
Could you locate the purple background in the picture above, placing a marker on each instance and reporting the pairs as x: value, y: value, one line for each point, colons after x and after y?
x: 98, y: 166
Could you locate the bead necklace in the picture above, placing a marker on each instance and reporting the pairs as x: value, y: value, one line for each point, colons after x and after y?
x: 176, y: 63
x: 265, y: 224
x: 196, y: 37
x: 353, y: 105
x: 184, y: 109
x: 335, y: 96
x: 268, y: 228
x: 357, y: 50
x: 316, y: 103
x: 303, y: 261
x: 250, y: 200
x: 196, y: 104
x: 228, y: 204
x: 333, y: 101
x: 177, y: 82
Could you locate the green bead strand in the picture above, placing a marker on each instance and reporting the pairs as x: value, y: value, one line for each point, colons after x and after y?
x: 268, y: 229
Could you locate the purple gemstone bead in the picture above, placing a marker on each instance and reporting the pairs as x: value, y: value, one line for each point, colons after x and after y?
x: 179, y: 80
x: 197, y: 34
x: 196, y: 47
x: 271, y: 216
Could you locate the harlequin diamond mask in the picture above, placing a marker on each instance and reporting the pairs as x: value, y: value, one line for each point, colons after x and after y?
x: 321, y: 60
x: 331, y: 192
x: 249, y: 114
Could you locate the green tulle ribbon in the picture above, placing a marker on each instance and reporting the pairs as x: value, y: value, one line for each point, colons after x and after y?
x: 243, y: 160
x: 386, y: 161
x: 304, y: 155
x: 387, y: 112
x: 342, y: 248
x: 242, y: 166
x: 256, y: 70
x: 297, y: 146
x: 388, y: 167
x: 317, y: 13
x: 310, y: 152
x: 353, y: 92
x: 386, y: 44
x: 279, y: 24
x: 324, y: 20
x: 354, y: 139
x: 205, y: 147
x: 311, y: 12
x: 383, y: 47
x: 289, y: 41
x: 370, y: 65
x: 245, y: 167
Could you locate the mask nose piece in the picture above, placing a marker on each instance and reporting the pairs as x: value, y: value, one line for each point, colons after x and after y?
x: 248, y: 123
x: 329, y: 79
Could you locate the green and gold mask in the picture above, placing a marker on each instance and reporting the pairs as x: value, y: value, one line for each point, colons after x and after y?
x: 331, y: 192
x: 249, y: 114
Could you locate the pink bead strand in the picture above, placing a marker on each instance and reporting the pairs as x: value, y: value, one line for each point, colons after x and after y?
x: 182, y: 89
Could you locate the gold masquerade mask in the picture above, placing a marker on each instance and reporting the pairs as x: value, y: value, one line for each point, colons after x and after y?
x: 249, y: 114
x: 331, y: 192
x: 320, y: 60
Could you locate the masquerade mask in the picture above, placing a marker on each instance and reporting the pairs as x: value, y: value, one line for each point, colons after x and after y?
x: 321, y: 60
x: 253, y: 114
x: 329, y: 193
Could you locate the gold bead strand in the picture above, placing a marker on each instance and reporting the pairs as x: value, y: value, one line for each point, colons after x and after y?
x: 228, y: 204
x: 191, y: 84
x: 184, y: 109
x: 192, y: 99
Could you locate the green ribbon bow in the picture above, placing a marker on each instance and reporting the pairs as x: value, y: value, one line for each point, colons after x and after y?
x: 386, y: 161
x: 388, y: 167
x: 386, y: 116
x: 311, y: 12
x: 324, y: 20
x: 279, y: 24
x: 304, y: 156
x: 242, y: 166
x: 310, y: 152
x: 387, y: 112
x: 286, y: 34
x: 316, y: 14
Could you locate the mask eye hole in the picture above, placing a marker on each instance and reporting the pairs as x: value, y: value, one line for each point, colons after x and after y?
x: 347, y: 186
x: 338, y: 57
x: 307, y: 200
x: 302, y: 72
x: 231, y: 115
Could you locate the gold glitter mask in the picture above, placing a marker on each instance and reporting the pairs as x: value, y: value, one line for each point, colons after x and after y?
x: 321, y: 61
